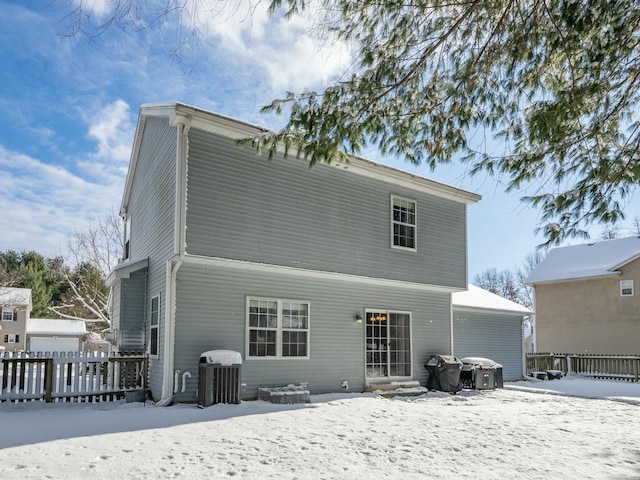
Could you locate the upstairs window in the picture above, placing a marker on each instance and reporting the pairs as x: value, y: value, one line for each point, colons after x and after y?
x: 7, y: 314
x: 403, y: 223
x: 626, y: 288
x: 277, y: 328
x: 126, y: 254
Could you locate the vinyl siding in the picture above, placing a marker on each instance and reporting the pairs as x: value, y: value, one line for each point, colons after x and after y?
x: 282, y: 212
x: 211, y: 309
x: 589, y: 315
x: 152, y: 202
x: 152, y: 209
x: 490, y: 335
x: 131, y: 328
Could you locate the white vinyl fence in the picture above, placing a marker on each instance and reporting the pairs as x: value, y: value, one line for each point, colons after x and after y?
x: 71, y: 377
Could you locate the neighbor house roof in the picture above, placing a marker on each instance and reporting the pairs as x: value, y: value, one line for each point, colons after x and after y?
x: 589, y: 260
x: 476, y: 298
x: 50, y: 326
x: 13, y: 297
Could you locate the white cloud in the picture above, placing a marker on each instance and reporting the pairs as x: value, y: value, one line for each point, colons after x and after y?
x: 288, y: 51
x: 50, y: 202
x: 112, y: 128
x: 100, y: 9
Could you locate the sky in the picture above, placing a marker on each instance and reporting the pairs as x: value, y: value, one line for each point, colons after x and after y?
x: 69, y: 106
x: 573, y: 428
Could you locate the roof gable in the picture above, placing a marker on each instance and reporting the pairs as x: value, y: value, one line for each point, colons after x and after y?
x: 586, y: 261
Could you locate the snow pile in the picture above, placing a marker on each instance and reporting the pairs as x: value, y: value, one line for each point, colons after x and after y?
x: 515, y: 433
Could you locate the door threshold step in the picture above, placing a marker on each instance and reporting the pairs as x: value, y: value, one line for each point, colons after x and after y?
x: 374, y: 387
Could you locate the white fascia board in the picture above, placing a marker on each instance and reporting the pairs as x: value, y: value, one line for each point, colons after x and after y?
x: 167, y: 110
x: 125, y: 269
x: 301, y: 272
x: 137, y: 140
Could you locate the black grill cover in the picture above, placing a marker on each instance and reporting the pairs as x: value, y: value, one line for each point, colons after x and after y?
x: 443, y: 373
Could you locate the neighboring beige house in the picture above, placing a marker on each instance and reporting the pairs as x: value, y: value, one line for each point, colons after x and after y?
x: 55, y: 335
x: 15, y: 307
x: 586, y: 299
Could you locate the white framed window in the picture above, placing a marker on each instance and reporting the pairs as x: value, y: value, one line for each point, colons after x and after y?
x: 12, y: 338
x: 403, y: 223
x: 154, y: 322
x: 7, y: 314
x: 126, y: 254
x: 277, y: 328
x: 626, y: 288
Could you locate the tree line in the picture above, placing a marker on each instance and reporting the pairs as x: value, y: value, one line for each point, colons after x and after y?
x: 72, y: 286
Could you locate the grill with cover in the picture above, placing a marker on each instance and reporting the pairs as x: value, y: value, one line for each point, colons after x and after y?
x: 443, y: 373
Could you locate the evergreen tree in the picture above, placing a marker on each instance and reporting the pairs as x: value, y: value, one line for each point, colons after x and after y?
x: 555, y: 84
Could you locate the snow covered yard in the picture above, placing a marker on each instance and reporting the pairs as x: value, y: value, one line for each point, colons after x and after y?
x: 517, y: 432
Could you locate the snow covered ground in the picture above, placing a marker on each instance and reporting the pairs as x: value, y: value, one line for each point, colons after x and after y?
x: 568, y: 429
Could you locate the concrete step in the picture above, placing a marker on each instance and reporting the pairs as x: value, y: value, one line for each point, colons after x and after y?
x: 397, y: 389
x: 373, y: 387
x: 288, y: 394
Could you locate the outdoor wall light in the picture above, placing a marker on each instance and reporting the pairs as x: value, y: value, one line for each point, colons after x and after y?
x: 358, y: 318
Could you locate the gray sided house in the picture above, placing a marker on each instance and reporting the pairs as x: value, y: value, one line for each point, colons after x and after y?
x: 339, y: 272
x: 487, y: 325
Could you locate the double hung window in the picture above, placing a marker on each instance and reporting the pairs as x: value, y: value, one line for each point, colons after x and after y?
x: 7, y: 314
x: 626, y: 288
x: 154, y: 325
x: 12, y: 338
x: 403, y: 223
x: 277, y: 328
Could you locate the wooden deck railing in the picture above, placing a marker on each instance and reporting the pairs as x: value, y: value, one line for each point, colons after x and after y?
x: 611, y: 367
x: 71, y: 377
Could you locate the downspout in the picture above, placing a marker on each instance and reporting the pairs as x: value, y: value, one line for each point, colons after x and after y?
x: 174, y: 263
x: 534, y: 324
x: 451, y: 322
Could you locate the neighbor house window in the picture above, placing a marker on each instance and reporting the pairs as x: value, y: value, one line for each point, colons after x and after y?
x: 277, y: 328
x: 153, y: 325
x: 626, y: 288
x: 7, y: 314
x: 403, y: 223
x: 12, y: 338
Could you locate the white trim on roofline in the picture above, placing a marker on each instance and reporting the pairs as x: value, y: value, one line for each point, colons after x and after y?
x: 319, y: 274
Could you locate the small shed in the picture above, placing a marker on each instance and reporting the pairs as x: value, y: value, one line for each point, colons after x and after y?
x: 55, y: 335
x: 490, y: 326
